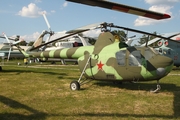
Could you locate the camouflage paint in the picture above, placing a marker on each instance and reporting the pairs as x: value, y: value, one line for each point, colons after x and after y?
x: 103, y: 64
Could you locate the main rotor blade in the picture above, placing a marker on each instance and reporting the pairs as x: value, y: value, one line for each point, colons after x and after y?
x: 47, y: 22
x: 9, y: 38
x: 6, y: 38
x: 123, y: 8
x: 142, y: 32
x: 89, y: 27
x: 174, y: 35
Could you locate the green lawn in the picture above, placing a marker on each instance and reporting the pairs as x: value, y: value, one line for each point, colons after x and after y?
x: 41, y: 92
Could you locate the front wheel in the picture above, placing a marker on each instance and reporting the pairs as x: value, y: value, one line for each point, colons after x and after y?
x: 74, y: 85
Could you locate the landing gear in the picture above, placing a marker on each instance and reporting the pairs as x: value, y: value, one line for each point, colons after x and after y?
x: 74, y: 85
x: 157, y: 89
x: 0, y: 68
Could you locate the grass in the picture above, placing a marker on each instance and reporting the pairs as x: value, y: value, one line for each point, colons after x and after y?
x: 41, y: 92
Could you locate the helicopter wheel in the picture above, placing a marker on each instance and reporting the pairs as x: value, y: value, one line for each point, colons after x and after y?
x: 74, y: 85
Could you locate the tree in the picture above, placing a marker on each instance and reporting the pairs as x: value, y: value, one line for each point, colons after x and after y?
x: 31, y: 43
x: 23, y: 43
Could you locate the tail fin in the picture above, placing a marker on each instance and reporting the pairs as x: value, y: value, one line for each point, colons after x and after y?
x: 39, y: 40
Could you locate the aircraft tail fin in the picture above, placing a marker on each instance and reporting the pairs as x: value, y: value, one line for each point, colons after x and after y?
x: 39, y: 40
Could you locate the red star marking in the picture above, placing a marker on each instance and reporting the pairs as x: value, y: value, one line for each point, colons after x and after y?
x: 100, y: 65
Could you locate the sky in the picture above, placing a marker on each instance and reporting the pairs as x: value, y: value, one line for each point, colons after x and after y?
x: 24, y: 17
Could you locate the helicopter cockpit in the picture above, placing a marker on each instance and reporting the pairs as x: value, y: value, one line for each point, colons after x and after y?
x: 133, y: 56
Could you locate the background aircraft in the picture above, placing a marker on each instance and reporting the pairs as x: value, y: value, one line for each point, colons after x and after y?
x: 73, y: 41
x: 7, y: 48
x: 167, y: 47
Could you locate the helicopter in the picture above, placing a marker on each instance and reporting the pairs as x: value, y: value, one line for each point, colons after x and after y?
x: 170, y: 49
x: 167, y: 47
x: 112, y: 60
x: 6, y: 48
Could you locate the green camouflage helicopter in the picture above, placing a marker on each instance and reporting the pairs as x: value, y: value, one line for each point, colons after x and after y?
x: 110, y: 59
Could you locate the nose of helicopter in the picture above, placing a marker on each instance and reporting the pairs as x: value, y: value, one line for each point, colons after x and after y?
x: 164, y: 65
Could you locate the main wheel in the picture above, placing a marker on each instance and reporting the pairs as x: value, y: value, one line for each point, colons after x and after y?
x: 74, y: 85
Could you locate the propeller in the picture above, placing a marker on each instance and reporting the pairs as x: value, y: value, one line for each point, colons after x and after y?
x: 123, y: 8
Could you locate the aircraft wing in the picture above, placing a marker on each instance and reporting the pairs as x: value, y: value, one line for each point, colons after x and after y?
x: 123, y: 8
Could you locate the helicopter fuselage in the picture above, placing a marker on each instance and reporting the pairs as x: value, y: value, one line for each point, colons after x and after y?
x: 115, y: 63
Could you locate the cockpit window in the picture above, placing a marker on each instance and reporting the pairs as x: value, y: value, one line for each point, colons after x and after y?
x: 169, y: 51
x: 120, y: 56
x: 135, y: 58
x: 160, y: 50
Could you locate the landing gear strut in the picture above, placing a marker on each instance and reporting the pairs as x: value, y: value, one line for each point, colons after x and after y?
x: 75, y: 85
x: 157, y: 89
